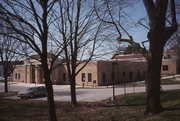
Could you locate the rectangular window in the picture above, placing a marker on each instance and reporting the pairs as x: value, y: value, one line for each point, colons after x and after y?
x: 16, y: 76
x: 83, y: 77
x: 19, y: 76
x: 138, y: 76
x: 145, y: 74
x: 64, y: 77
x: 103, y: 77
x: 130, y: 76
x: 89, y: 77
x: 123, y: 74
x: 165, y: 67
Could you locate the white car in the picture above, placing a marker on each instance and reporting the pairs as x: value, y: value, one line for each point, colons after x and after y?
x: 32, y: 92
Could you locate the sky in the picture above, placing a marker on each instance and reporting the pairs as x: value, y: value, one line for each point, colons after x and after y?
x: 137, y: 12
x: 139, y: 33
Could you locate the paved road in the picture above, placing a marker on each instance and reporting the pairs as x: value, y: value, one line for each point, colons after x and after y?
x: 62, y: 92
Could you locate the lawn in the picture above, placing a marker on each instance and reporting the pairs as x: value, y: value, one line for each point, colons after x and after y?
x: 163, y: 82
x: 126, y: 108
x: 136, y: 84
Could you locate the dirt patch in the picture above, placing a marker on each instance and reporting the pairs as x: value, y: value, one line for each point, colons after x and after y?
x: 108, y: 102
x: 3, y: 94
x: 66, y: 108
x: 175, y: 79
x: 82, y: 107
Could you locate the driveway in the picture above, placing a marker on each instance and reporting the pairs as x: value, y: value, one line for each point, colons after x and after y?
x: 62, y: 92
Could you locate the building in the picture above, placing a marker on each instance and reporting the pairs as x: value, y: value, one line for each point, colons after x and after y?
x: 170, y: 63
x: 121, y: 68
x: 31, y: 71
x: 11, y: 64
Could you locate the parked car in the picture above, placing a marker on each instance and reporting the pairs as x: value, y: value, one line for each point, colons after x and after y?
x: 1, y: 78
x: 32, y: 92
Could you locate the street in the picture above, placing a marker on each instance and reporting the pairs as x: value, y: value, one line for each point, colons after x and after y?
x: 62, y: 92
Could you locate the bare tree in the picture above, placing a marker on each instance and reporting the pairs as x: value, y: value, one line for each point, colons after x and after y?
x: 158, y: 35
x: 8, y: 56
x: 174, y: 41
x: 33, y: 21
x: 82, y: 35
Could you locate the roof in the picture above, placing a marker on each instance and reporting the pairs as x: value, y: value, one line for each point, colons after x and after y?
x: 37, y: 57
x: 128, y: 56
x: 13, y: 62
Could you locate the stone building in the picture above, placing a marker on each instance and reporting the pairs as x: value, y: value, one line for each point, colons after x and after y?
x: 121, y: 68
x: 30, y: 71
x: 11, y: 64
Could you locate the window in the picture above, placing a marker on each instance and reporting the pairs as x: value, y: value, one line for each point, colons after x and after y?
x: 103, y: 77
x: 130, y: 76
x: 123, y: 74
x: 64, y: 77
x: 138, y: 76
x: 19, y: 76
x: 145, y: 74
x: 83, y: 77
x: 89, y: 77
x: 165, y: 67
x: 15, y: 75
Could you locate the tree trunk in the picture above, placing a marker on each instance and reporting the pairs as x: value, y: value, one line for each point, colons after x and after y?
x: 153, y: 102
x: 5, y: 80
x: 50, y: 95
x: 5, y: 84
x: 73, y: 90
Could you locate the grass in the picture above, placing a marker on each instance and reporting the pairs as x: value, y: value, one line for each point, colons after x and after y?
x: 140, y: 84
x: 169, y: 81
x: 15, y: 110
x: 163, y: 82
x: 128, y: 108
x: 2, y: 94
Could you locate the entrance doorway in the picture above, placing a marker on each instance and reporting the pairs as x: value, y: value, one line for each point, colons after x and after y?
x: 33, y: 74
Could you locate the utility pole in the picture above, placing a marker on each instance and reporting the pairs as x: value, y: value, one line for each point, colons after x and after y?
x: 113, y: 80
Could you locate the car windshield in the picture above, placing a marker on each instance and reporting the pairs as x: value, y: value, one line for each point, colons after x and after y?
x: 41, y: 88
x: 30, y: 89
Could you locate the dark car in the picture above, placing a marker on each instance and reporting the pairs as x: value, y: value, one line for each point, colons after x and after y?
x: 32, y: 92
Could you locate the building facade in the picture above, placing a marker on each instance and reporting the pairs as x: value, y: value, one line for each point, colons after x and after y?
x: 120, y: 69
x: 11, y: 65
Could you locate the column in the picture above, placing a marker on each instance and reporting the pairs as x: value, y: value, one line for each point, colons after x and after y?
x: 28, y: 74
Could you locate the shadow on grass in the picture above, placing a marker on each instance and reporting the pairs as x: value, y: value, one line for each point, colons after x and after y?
x: 123, y: 105
x: 172, y: 109
x: 3, y: 120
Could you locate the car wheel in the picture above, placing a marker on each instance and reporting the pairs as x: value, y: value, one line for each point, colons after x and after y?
x: 31, y: 96
x: 23, y: 98
x: 45, y: 94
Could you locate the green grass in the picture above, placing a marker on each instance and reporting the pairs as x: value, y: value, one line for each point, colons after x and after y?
x: 163, y: 82
x: 169, y: 81
x: 16, y: 110
x: 129, y: 108
x: 140, y: 84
